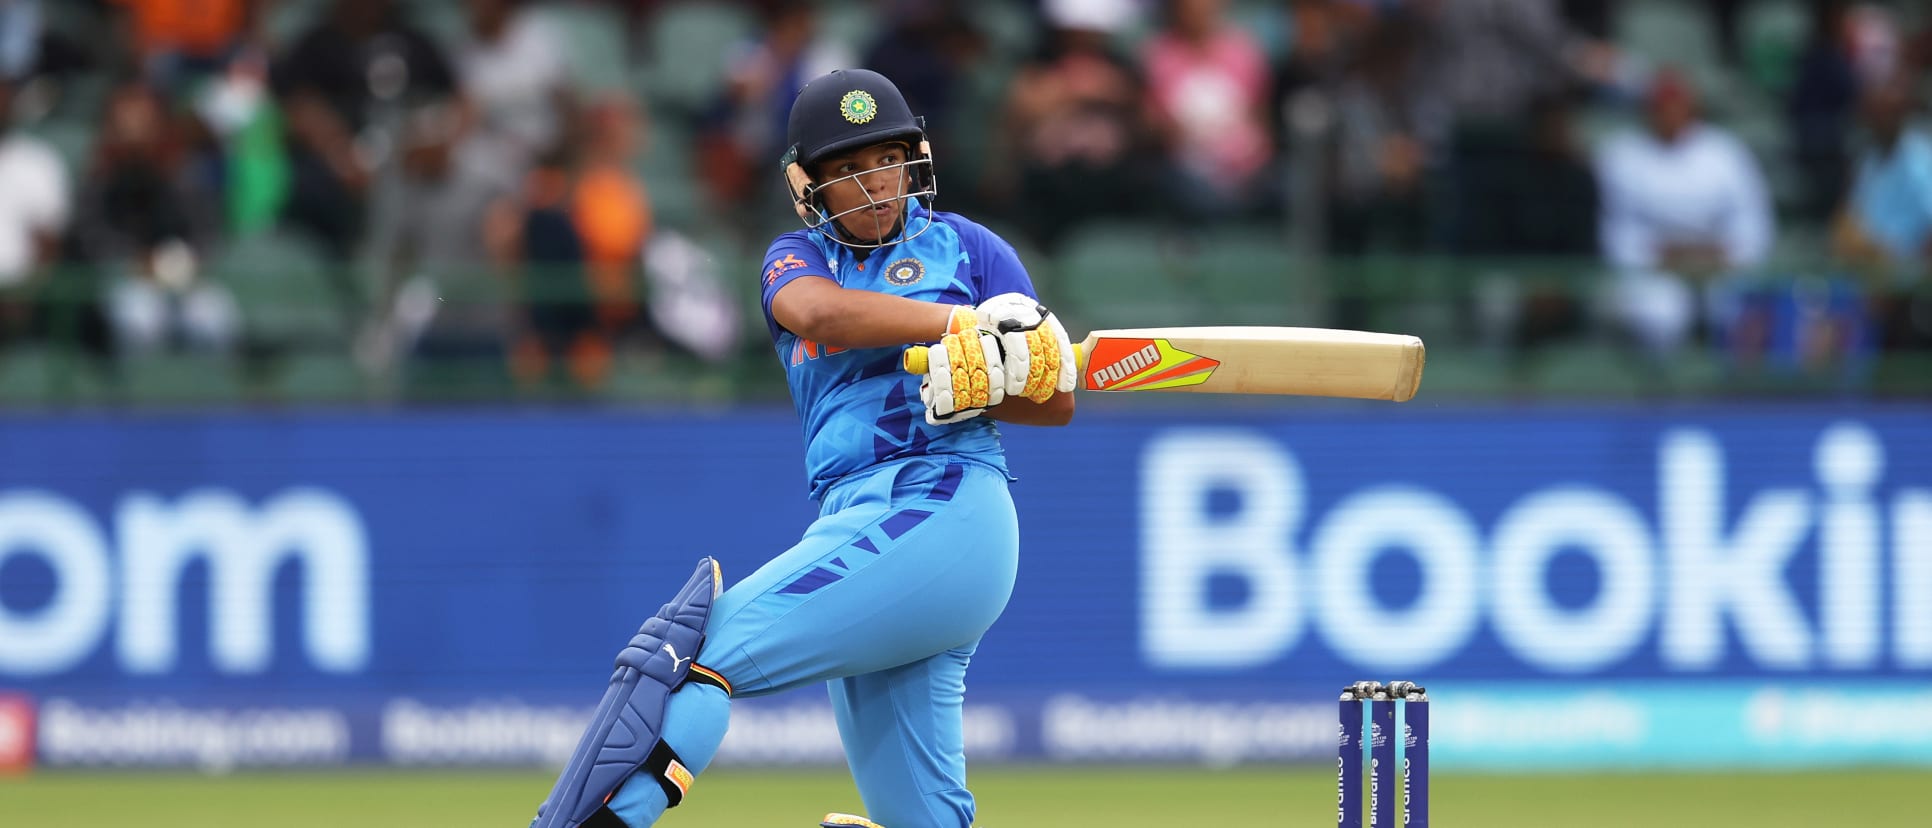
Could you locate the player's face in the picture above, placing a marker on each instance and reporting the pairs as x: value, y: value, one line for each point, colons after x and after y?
x: 866, y: 189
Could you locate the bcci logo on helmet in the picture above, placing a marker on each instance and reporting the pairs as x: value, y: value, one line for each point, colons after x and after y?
x: 858, y: 106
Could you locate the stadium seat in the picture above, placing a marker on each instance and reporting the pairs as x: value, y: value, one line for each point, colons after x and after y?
x: 1676, y: 33
x: 1127, y: 275
x: 286, y: 293
x: 181, y: 379
x: 446, y: 23
x: 668, y: 170
x: 288, y: 19
x: 1773, y: 35
x: 312, y: 376
x: 1250, y: 277
x: 850, y: 24
x: 671, y: 378
x: 687, y: 45
x: 1578, y: 369
x: 71, y: 138
x: 1461, y: 373
x: 597, y: 53
x: 31, y: 375
x: 1007, y: 26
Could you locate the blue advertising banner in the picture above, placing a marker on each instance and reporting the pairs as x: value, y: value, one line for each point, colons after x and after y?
x: 432, y: 587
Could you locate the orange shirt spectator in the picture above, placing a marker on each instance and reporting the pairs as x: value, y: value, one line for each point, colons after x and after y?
x: 611, y: 214
x: 198, y: 28
x: 611, y: 209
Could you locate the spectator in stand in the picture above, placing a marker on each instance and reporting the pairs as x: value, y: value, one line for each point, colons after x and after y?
x: 1590, y: 18
x: 1885, y: 225
x: 1321, y: 59
x: 1820, y: 109
x: 204, y: 51
x: 177, y: 42
x: 926, y: 48
x: 1887, y: 218
x: 1375, y: 188
x: 1551, y: 233
x: 20, y: 34
x: 512, y: 103
x: 744, y: 133
x: 34, y: 208
x: 358, y: 90
x: 32, y: 51
x: 1685, y: 210
x: 1563, y: 221
x: 514, y: 99
x: 612, y: 213
x: 1207, y: 90
x: 534, y: 238
x: 1075, y: 124
x: 1488, y: 62
x: 143, y: 218
x: 1325, y: 37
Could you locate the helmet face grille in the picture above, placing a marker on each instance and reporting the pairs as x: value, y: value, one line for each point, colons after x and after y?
x: 810, y: 204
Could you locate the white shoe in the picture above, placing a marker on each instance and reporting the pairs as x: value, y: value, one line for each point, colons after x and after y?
x: 837, y: 820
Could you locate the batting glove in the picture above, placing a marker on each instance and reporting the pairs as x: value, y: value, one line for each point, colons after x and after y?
x: 965, y: 375
x: 1038, y: 355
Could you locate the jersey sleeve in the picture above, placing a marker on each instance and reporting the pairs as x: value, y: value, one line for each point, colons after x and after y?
x: 996, y: 267
x: 789, y: 257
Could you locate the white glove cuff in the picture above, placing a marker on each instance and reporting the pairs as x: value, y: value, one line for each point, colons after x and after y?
x: 1069, y: 367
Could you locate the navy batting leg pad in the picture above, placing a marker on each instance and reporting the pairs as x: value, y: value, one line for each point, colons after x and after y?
x: 624, y: 733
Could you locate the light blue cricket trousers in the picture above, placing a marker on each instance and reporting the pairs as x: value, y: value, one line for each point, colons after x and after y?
x: 885, y: 598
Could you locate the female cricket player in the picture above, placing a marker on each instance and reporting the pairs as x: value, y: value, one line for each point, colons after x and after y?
x: 915, y: 549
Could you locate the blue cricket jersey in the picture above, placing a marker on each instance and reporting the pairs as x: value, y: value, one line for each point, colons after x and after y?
x: 858, y: 408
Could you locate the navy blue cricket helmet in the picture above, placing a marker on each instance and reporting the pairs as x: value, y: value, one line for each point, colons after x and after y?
x: 844, y: 110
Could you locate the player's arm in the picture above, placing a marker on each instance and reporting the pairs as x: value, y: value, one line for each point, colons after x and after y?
x: 1056, y: 411
x: 818, y: 309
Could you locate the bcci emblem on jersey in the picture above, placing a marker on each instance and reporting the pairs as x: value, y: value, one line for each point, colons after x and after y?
x: 905, y: 272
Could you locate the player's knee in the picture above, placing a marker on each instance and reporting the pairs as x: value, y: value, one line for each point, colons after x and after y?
x: 695, y: 721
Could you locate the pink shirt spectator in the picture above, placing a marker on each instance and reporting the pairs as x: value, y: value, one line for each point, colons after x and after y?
x: 1212, y: 95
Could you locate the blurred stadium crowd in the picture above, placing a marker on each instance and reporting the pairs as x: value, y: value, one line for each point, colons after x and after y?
x: 340, y: 199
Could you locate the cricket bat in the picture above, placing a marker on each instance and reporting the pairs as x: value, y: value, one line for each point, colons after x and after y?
x: 1315, y: 362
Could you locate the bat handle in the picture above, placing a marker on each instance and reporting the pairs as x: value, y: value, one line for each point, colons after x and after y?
x: 914, y: 359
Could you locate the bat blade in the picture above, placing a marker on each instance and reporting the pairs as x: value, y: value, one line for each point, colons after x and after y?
x: 1319, y: 362
x: 1251, y: 359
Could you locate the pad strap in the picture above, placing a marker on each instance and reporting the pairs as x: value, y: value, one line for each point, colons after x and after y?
x: 670, y: 772
x: 664, y: 766
x: 701, y: 674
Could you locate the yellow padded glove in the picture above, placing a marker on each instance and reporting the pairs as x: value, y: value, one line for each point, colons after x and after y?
x: 965, y: 375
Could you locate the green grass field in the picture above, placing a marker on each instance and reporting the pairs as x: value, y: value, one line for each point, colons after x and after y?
x: 1010, y: 797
